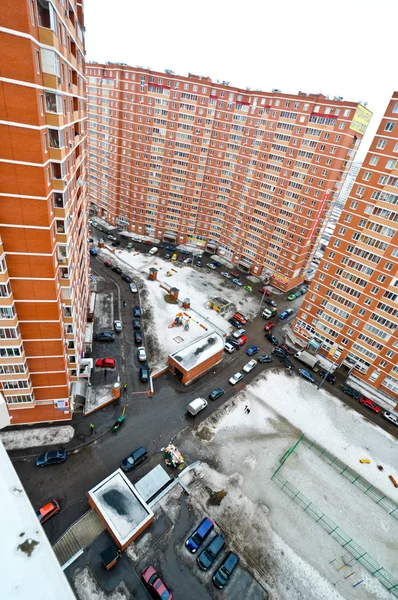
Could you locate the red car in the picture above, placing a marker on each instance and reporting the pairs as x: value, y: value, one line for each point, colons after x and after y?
x: 240, y: 318
x: 235, y: 274
x: 47, y: 511
x: 109, y: 363
x: 370, y: 404
x: 148, y: 242
x: 242, y: 340
x: 155, y: 585
x: 264, y: 290
x: 269, y: 326
x: 107, y: 263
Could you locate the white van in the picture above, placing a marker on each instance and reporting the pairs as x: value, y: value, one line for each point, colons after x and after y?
x: 229, y: 347
x: 153, y: 251
x: 196, y: 406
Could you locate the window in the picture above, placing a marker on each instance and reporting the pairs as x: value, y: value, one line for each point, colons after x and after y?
x: 390, y: 164
x: 360, y: 191
x: 354, y: 205
x: 388, y: 266
x: 347, y: 112
x: 367, y: 175
x: 374, y: 160
x: 350, y: 332
x: 32, y: 13
x: 381, y: 144
x: 389, y: 126
x: 45, y: 142
x: 381, y: 278
x: 374, y: 290
x: 395, y: 108
x: 390, y: 354
x: 344, y: 341
x: 37, y: 60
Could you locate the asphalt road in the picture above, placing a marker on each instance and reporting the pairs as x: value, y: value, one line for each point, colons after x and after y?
x: 151, y: 422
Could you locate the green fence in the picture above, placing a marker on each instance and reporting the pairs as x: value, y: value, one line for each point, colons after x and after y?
x: 345, y: 540
x: 353, y: 477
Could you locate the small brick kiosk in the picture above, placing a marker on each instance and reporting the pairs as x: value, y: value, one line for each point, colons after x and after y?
x: 196, y: 358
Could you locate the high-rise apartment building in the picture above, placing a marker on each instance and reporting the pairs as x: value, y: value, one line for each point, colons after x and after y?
x: 351, y: 310
x: 247, y: 174
x: 43, y: 212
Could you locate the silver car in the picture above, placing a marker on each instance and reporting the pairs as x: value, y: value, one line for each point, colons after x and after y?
x: 117, y: 325
x: 141, y: 354
x: 235, y: 378
x: 133, y: 287
x: 391, y: 417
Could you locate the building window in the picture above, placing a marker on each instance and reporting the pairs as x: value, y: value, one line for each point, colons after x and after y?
x: 390, y: 164
x: 388, y: 266
x: 374, y: 290
x: 374, y: 376
x: 383, y: 363
x: 389, y: 126
x: 347, y: 112
x: 37, y: 61
x: 350, y: 332
x: 344, y: 341
x: 32, y: 13
x: 45, y: 142
x: 374, y: 160
x: 367, y: 175
x: 390, y: 354
x: 381, y: 144
x: 381, y: 278
x: 360, y: 191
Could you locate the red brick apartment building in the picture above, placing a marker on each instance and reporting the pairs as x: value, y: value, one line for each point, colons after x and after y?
x: 250, y: 175
x: 43, y: 221
x: 351, y: 309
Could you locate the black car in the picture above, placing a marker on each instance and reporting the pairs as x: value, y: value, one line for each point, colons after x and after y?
x: 134, y: 459
x: 137, y: 312
x: 210, y: 553
x: 136, y: 324
x: 144, y: 373
x: 126, y: 278
x: 184, y: 251
x: 271, y: 338
x: 278, y: 351
x: 270, y: 302
x: 116, y: 243
x: 233, y: 342
x: 117, y: 269
x: 51, y: 458
x: 235, y: 323
x: 160, y: 246
x: 329, y: 377
x: 351, y: 392
x: 264, y: 358
x: 287, y: 362
x: 217, y: 393
x: 167, y: 256
x: 198, y: 263
x: 104, y: 336
x: 137, y: 337
x: 225, y: 570
x: 217, y: 263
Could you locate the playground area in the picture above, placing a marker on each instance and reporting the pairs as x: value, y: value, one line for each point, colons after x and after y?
x: 321, y: 537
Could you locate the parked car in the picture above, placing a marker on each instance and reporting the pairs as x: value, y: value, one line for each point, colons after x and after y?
x: 235, y: 378
x: 347, y: 389
x: 268, y: 313
x: 241, y: 318
x: 137, y: 312
x: 181, y: 258
x: 171, y: 248
x: 237, y: 282
x: 137, y: 337
x: 144, y: 373
x: 304, y: 289
x: 234, y: 322
x: 153, y: 250
x: 134, y: 459
x: 271, y: 338
x: 265, y: 358
x: 252, y: 350
x: 235, y: 274
x: 141, y: 354
x: 117, y: 325
x: 242, y: 340
x: 228, y: 347
x: 287, y: 348
x: 217, y: 263
x: 370, y: 404
x: 306, y: 375
x: 390, y: 417
x: 294, y: 295
x: 167, y: 256
x: 233, y: 343
x: 136, y: 324
x: 238, y: 333
x: 217, y: 393
x: 226, y: 275
x: 104, y: 336
x: 51, y: 458
x: 126, y: 278
x: 225, y: 570
x: 108, y: 363
x: 269, y: 326
x: 329, y: 377
x: 287, y: 362
x: 184, y: 251
x: 116, y: 269
x: 211, y: 266
x: 112, y: 237
x: 187, y: 261
x: 210, y: 553
x: 93, y: 252
x: 198, y: 536
x: 286, y: 313
x: 133, y: 287
x: 47, y: 511
x: 248, y: 288
x: 279, y: 351
x: 270, y: 302
x: 198, y: 263
x: 147, y: 242
x: 264, y: 290
x: 115, y: 244
x: 196, y: 406
x: 250, y: 366
x: 174, y: 257
x: 108, y: 263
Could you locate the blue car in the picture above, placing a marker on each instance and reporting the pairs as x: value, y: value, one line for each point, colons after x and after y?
x: 286, y: 313
x: 306, y: 375
x: 93, y: 251
x: 51, y: 458
x: 237, y: 282
x: 252, y: 350
x: 198, y: 536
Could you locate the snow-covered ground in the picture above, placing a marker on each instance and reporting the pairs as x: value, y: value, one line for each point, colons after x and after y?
x: 34, y: 438
x: 299, y: 560
x: 199, y: 286
x: 88, y: 588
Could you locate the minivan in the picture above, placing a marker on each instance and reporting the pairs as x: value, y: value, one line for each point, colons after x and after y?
x: 208, y: 556
x: 198, y: 536
x: 229, y: 347
x: 134, y: 459
x: 196, y: 406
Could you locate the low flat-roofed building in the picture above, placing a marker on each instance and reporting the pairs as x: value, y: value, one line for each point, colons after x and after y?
x: 196, y: 358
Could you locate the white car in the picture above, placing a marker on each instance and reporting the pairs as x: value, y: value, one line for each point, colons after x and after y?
x: 153, y: 251
x: 117, y: 325
x: 249, y: 366
x: 235, y: 378
x: 391, y: 417
x: 211, y: 266
x: 186, y: 261
x: 141, y: 354
x: 229, y: 347
x: 225, y: 274
x: 133, y: 287
x: 238, y: 333
x: 112, y: 238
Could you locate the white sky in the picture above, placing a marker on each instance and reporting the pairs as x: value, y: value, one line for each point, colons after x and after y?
x: 341, y: 48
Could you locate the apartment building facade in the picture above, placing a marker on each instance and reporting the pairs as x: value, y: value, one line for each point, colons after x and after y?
x: 247, y: 174
x: 351, y: 309
x: 43, y: 216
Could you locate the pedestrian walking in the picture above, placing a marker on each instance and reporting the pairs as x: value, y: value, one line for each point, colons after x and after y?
x: 92, y: 426
x: 246, y: 408
x: 125, y: 387
x: 248, y: 411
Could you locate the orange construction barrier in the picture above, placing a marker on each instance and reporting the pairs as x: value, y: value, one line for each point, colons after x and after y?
x: 391, y: 478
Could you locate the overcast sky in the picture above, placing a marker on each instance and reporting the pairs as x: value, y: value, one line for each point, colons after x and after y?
x: 341, y: 48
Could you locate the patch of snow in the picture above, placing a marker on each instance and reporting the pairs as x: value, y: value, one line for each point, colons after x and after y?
x: 88, y: 588
x: 104, y: 311
x: 137, y: 550
x: 35, y: 438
